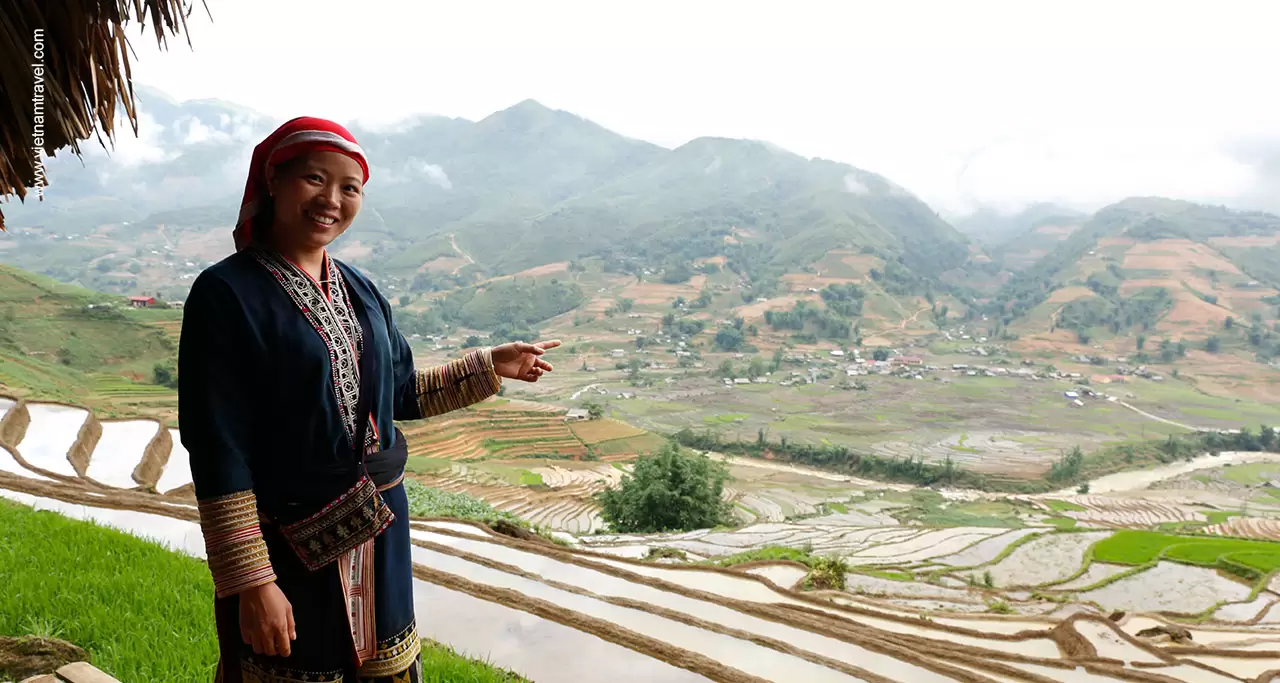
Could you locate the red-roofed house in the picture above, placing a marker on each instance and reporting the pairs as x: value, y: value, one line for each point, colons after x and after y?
x: 141, y: 301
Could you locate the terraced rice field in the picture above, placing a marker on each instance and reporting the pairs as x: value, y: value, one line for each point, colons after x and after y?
x: 1247, y: 527
x: 563, y: 501
x: 918, y: 606
x: 477, y: 434
x: 1124, y: 513
x: 558, y: 614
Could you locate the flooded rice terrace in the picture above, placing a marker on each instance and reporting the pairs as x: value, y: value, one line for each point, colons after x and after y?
x: 1022, y: 601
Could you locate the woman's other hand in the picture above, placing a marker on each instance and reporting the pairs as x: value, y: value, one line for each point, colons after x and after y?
x: 266, y: 620
x: 519, y: 360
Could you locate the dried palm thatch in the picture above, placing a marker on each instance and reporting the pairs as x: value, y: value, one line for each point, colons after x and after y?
x: 85, y: 71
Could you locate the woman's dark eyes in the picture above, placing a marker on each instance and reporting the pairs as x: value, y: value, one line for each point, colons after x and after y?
x: 316, y: 178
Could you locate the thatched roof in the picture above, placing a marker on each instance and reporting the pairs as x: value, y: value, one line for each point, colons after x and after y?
x: 85, y: 73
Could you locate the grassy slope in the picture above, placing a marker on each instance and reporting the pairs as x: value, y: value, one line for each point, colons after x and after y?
x: 54, y: 347
x: 144, y: 613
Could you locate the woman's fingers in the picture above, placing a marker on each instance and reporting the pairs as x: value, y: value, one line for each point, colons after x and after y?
x: 542, y: 365
x: 549, y: 344
x: 282, y: 644
x: 267, y: 640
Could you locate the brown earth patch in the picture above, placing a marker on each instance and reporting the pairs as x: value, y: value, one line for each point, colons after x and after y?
x: 1061, y: 296
x: 756, y: 310
x: 600, y: 304
x: 1176, y: 255
x: 13, y: 428
x: 863, y: 263
x: 649, y: 293
x: 1058, y: 340
x: 546, y: 269
x: 26, y: 656
x: 86, y: 441
x: 154, y: 458
x: 1189, y: 308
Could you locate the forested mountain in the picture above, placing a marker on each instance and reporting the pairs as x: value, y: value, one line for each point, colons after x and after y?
x: 454, y: 203
x: 525, y: 186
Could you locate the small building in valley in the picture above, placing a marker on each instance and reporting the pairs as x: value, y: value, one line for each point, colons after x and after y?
x: 142, y: 301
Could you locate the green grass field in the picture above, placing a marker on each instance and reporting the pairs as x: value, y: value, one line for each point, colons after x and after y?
x: 1142, y: 547
x: 144, y: 613
x: 1253, y: 473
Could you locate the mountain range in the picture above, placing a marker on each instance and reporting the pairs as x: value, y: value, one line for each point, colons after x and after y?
x: 453, y: 202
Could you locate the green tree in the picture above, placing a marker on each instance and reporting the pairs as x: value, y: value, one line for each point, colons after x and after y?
x: 1142, y: 341
x: 669, y: 491
x: 777, y: 359
x: 729, y: 338
x: 595, y: 410
x: 756, y: 367
x: 880, y: 354
x: 725, y: 369
x: 471, y: 341
x: 1213, y: 344
x: 165, y: 375
x: 1229, y: 323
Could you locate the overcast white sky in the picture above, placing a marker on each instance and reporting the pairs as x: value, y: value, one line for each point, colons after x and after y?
x: 962, y: 102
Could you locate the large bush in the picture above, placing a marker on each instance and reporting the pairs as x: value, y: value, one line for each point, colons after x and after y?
x: 669, y: 491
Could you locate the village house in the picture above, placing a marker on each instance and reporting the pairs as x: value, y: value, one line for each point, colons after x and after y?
x: 142, y: 301
x: 576, y: 415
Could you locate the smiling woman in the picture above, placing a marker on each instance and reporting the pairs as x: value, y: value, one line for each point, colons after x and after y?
x: 292, y: 375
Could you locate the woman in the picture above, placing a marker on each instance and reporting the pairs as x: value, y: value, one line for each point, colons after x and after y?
x: 292, y: 373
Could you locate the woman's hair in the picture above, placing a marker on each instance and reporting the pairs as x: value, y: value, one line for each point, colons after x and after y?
x: 266, y: 215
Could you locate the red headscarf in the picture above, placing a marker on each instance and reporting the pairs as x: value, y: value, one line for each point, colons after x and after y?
x: 292, y: 139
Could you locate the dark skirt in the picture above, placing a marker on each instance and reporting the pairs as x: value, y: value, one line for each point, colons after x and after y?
x: 323, y: 651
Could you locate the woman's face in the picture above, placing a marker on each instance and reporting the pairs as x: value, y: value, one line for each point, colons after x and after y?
x: 316, y: 197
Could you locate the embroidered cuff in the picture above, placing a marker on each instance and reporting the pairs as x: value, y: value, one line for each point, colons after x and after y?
x: 458, y: 383
x: 233, y: 542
